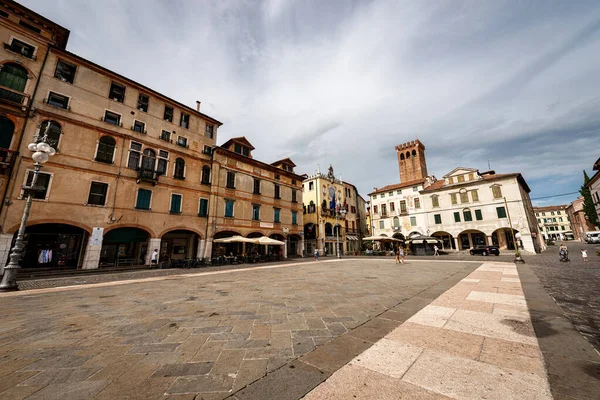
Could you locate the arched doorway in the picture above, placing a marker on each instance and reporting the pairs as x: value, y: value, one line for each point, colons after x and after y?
x: 180, y: 244
x: 446, y: 239
x: 503, y: 239
x: 53, y: 246
x: 13, y: 76
x: 124, y: 246
x: 470, y: 238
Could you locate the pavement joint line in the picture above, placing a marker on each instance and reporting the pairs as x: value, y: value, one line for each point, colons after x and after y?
x: 155, y: 279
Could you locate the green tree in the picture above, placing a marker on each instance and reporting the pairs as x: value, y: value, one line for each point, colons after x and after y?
x: 588, y: 204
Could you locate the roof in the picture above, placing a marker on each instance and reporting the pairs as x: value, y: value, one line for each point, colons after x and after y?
x: 257, y: 163
x: 284, y: 161
x: 459, y: 168
x: 397, y: 186
x: 146, y: 88
x: 61, y: 34
x: 597, y: 165
x: 239, y: 139
x: 550, y: 208
x: 441, y: 184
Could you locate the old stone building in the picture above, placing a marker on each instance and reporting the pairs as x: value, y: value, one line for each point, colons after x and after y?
x: 253, y: 199
x: 594, y: 186
x: 554, y: 222
x: 131, y: 173
x: 579, y: 223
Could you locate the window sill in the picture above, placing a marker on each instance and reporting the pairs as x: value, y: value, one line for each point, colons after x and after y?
x: 175, y: 212
x: 8, y: 48
x: 95, y: 205
x: 116, y: 100
x: 277, y: 198
x: 205, y: 183
x: 67, y: 108
x: 104, y: 161
x: 63, y: 80
x: 142, y: 209
x: 185, y: 146
x: 179, y: 178
x: 203, y: 215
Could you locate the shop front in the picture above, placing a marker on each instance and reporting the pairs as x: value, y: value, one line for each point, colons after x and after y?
x: 178, y: 245
x: 124, y: 246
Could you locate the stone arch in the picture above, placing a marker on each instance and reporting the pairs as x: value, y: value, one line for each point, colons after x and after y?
x: 225, y: 233
x: 503, y: 239
x: 30, y: 72
x: 446, y: 238
x: 86, y: 228
x: 414, y: 153
x: 181, y: 228
x: 471, y: 237
x: 401, y: 156
x: 113, y: 227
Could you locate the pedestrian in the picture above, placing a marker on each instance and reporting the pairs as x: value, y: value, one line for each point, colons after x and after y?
x: 316, y: 254
x: 397, y: 255
x: 584, y: 255
x: 154, y: 259
x: 401, y: 253
x: 435, y: 250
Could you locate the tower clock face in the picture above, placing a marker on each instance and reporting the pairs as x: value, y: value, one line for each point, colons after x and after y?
x: 331, y: 191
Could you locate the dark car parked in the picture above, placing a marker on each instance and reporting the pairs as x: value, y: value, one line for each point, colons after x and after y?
x: 484, y: 250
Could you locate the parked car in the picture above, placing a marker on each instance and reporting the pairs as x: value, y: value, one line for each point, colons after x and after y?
x: 592, y: 237
x: 484, y: 250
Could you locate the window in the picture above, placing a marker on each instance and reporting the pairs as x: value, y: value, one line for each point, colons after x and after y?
x: 277, y: 176
x: 182, y: 141
x: 134, y: 155
x: 294, y: 200
x: 375, y: 209
x: 117, y: 92
x: 562, y: 227
x: 478, y: 215
x: 382, y: 195
x: 471, y: 176
x: 168, y: 116
x: 65, y: 72
x: 22, y: 48
x: 277, y: 191
x: 207, y: 150
x: 52, y: 130
x: 398, y: 191
x: 435, y: 201
x: 58, y: 100
x: 392, y: 206
x: 560, y: 219
x: 148, y: 161
x: 179, y: 172
x: 396, y: 222
x: 243, y: 150
x: 417, y: 203
x: 139, y: 127
x: 501, y: 211
x: 184, y: 122
x: 209, y: 132
x: 497, y: 192
x: 413, y: 221
x: 205, y: 175
x: 144, y: 198
x: 467, y: 215
x: 437, y: 218
x: 229, y: 208
x: 310, y: 186
x: 558, y: 212
x: 256, y: 186
x: 166, y: 136
x: 456, y: 217
x: 43, y: 181
x: 453, y: 198
x: 389, y: 194
x: 374, y: 196
x: 415, y: 188
x: 294, y: 218
x: 383, y: 210
x: 474, y: 195
x: 461, y: 178
x: 381, y: 224
x: 106, y: 149
x: 276, y: 214
x: 464, y: 196
x: 539, y: 221
x: 203, y: 208
x: 230, y: 180
x: 552, y: 213
x: 163, y: 162
x: 175, y: 204
x: 14, y: 77
x: 143, y: 102
x: 403, y: 206
x: 255, y: 212
x: 112, y: 118
x: 544, y: 214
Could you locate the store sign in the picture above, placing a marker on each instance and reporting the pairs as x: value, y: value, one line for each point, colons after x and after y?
x: 266, y: 224
x: 96, y: 239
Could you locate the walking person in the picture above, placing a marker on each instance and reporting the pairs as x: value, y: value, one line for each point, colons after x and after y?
x: 154, y: 258
x: 435, y: 250
x: 397, y: 255
x: 401, y: 253
x: 584, y: 255
x: 316, y: 254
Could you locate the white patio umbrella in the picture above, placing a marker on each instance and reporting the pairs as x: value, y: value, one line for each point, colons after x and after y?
x: 268, y: 241
x: 383, y: 239
x: 236, y: 239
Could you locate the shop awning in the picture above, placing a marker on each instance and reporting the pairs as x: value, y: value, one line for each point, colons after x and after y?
x: 350, y: 237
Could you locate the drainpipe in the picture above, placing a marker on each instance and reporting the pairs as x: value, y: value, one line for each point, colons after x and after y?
x: 112, y: 214
x: 27, y: 118
x: 208, y: 216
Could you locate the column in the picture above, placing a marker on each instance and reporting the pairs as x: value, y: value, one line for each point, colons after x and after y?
x: 91, y: 258
x: 208, y: 248
x: 456, y: 243
x: 489, y: 240
x: 5, y: 242
x: 285, y: 249
x: 201, y: 250
x: 300, y: 248
x: 153, y: 243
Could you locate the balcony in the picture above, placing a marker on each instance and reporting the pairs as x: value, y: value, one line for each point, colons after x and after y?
x: 147, y: 175
x: 7, y: 158
x: 328, y: 212
x: 14, y: 97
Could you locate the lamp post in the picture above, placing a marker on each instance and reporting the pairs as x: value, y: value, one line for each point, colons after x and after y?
x: 41, y: 153
x: 337, y: 232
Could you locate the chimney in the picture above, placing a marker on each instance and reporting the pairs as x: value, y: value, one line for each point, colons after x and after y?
x: 197, y: 106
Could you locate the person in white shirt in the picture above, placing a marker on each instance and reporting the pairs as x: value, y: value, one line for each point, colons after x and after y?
x: 154, y: 259
x: 584, y: 254
x: 435, y: 250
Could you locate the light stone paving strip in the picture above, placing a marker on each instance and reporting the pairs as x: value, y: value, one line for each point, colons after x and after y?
x: 475, y: 341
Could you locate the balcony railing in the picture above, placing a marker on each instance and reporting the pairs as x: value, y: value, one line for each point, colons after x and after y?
x: 14, y: 97
x: 7, y: 158
x: 328, y: 212
x: 147, y: 175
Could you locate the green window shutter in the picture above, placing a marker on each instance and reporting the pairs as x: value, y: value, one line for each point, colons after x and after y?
x: 438, y: 218
x: 143, y: 200
x: 203, y: 212
x: 229, y: 208
x: 413, y: 221
x: 276, y: 215
x: 294, y: 218
x: 467, y: 215
x: 456, y: 217
x: 478, y: 215
x: 501, y: 211
x: 175, y: 203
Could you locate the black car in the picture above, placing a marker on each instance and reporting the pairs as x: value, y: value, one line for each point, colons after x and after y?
x: 484, y: 250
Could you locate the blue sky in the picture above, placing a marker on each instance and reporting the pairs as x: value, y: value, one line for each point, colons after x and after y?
x: 341, y: 82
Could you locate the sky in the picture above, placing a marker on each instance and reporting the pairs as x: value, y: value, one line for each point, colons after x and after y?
x: 509, y: 84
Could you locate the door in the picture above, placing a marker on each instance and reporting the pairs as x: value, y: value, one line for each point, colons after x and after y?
x: 6, y: 132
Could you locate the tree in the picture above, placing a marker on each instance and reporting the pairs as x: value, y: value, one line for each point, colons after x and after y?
x: 588, y: 204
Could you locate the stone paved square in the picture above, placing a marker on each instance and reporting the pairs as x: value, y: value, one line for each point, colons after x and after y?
x: 207, y: 335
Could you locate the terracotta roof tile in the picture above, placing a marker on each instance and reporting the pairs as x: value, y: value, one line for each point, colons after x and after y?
x: 397, y: 186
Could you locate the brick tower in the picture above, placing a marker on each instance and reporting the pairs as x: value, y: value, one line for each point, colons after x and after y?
x: 411, y: 161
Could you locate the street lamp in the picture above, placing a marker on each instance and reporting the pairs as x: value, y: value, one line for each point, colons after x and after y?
x: 41, y: 153
x: 337, y: 232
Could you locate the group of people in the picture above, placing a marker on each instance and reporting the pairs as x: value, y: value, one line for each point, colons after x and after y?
x: 563, y: 252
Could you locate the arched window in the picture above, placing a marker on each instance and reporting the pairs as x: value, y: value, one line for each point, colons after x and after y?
x: 179, y: 169
x: 52, y: 130
x: 402, y: 156
x: 414, y: 153
x: 14, y: 77
x: 396, y: 222
x: 407, y: 154
x: 106, y: 149
x: 148, y: 160
x: 312, y: 208
x: 206, y: 174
